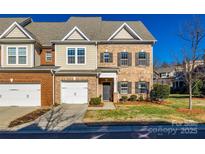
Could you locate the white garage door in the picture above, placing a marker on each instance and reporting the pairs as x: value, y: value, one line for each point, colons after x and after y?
x: 74, y: 92
x: 20, y: 95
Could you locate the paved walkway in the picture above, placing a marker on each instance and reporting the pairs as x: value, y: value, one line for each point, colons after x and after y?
x: 8, y: 114
x: 107, y: 106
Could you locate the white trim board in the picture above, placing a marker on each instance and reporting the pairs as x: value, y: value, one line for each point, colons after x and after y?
x: 78, y: 30
x: 12, y: 26
x: 120, y: 28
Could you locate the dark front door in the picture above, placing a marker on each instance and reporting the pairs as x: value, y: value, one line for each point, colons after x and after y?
x: 106, y: 91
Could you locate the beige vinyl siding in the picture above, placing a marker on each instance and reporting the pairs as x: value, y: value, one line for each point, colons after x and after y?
x: 123, y: 34
x: 91, y: 55
x: 75, y: 36
x: 30, y: 54
x: 15, y: 33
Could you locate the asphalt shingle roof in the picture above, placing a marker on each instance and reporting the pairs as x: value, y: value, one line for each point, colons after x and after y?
x: 93, y: 27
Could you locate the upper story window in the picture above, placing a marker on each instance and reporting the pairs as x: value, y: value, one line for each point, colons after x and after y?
x: 81, y: 55
x: 17, y: 55
x: 48, y: 56
x: 106, y: 57
x: 164, y: 75
x: 76, y: 56
x: 142, y: 58
x: 124, y: 59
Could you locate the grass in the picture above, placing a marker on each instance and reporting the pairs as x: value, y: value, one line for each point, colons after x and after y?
x: 174, y: 110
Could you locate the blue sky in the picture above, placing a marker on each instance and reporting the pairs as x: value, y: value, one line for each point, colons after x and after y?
x: 164, y: 27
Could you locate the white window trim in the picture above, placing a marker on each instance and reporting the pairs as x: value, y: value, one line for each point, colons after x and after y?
x: 76, y: 56
x: 47, y: 56
x: 79, y: 31
x: 121, y: 88
x: 122, y: 26
x: 17, y: 57
x: 19, y: 26
x: 124, y: 51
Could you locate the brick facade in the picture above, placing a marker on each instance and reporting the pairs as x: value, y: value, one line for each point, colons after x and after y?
x: 129, y: 73
x: 45, y: 79
x: 92, y: 85
x: 43, y: 57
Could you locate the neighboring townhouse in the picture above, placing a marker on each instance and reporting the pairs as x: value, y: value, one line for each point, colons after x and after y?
x: 43, y: 63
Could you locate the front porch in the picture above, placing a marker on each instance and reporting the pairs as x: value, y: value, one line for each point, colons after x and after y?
x: 107, y: 87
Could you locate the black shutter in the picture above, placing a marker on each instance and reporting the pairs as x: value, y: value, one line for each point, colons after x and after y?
x: 111, y: 57
x: 118, y: 58
x: 101, y: 57
x: 119, y: 87
x: 148, y: 58
x: 129, y: 87
x: 129, y: 59
x: 136, y: 87
x: 147, y: 83
x: 136, y: 59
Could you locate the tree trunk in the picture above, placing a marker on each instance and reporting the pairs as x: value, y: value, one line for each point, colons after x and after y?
x: 190, y: 95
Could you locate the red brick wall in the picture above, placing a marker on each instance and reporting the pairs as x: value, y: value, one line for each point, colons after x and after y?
x: 45, y: 79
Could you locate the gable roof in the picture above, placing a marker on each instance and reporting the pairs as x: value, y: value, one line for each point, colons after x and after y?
x: 75, y: 29
x: 12, y: 27
x: 124, y: 25
x: 93, y: 28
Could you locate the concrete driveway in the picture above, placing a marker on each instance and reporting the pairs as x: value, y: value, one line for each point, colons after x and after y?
x: 8, y: 114
x: 62, y: 116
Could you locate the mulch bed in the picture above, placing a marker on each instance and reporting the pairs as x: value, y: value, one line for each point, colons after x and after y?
x: 100, y: 105
x: 139, y: 103
x: 29, y: 117
x: 193, y: 111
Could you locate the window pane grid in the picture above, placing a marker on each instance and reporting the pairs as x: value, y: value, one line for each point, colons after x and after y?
x: 106, y: 57
x: 48, y: 56
x: 142, y: 87
x: 71, y: 56
x: 124, y: 58
x: 81, y: 56
x: 124, y: 88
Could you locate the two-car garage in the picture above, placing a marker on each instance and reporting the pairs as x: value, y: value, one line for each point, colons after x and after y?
x: 20, y: 95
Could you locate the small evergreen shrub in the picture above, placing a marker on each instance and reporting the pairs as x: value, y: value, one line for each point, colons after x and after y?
x: 141, y: 98
x: 133, y: 98
x: 124, y: 98
x: 160, y: 92
x: 95, y: 101
x: 198, y: 86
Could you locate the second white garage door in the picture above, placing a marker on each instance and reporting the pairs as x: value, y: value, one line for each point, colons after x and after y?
x: 74, y: 92
x: 20, y: 94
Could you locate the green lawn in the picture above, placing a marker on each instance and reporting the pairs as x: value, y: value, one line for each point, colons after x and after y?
x: 174, y: 110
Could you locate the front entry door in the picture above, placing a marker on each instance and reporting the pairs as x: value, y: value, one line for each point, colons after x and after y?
x: 106, y: 91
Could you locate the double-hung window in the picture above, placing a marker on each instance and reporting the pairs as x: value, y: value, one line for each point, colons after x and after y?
x: 76, y: 56
x: 124, y: 88
x: 106, y: 57
x: 48, y: 56
x: 142, y: 58
x: 81, y: 55
x: 124, y: 58
x: 143, y: 87
x: 17, y: 55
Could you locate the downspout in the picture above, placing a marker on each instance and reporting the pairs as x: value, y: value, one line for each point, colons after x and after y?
x: 53, y: 74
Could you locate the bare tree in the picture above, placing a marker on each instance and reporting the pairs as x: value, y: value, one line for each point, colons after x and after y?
x: 193, y: 35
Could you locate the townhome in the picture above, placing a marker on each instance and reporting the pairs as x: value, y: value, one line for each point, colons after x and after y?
x: 43, y: 63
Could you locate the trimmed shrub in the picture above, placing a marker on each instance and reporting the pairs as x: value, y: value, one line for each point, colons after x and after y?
x: 95, y: 101
x: 124, y: 98
x: 133, y: 98
x: 141, y: 98
x: 160, y: 92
